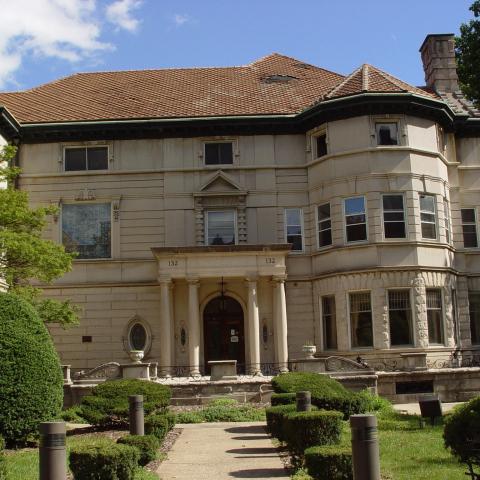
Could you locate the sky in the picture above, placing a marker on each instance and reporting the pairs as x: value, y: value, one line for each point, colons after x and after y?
x: 43, y: 40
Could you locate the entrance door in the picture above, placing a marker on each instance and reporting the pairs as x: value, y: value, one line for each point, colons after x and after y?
x: 223, y: 332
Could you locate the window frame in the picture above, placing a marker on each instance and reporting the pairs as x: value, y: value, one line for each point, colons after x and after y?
x: 112, y: 220
x: 475, y: 223
x: 315, y: 137
x: 411, y: 320
x: 349, y: 313
x: 217, y: 165
x: 447, y: 221
x: 235, y: 224
x: 470, y: 294
x: 387, y: 122
x: 302, y: 228
x: 405, y: 217
x: 317, y: 222
x: 334, y: 317
x: 127, y: 330
x: 86, y: 147
x: 442, y: 318
x: 345, y: 220
x: 435, y: 213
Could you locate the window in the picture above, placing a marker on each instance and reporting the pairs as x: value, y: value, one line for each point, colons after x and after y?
x: 324, y: 225
x: 393, y: 216
x: 86, y: 229
x: 355, y: 219
x: 321, y: 145
x: 469, y: 228
x: 386, y: 133
x: 137, y: 337
x: 218, y: 153
x: 329, y: 323
x: 448, y: 223
x: 434, y: 316
x: 293, y: 226
x: 400, y: 316
x: 221, y: 227
x: 86, y: 158
x: 428, y: 217
x: 361, y: 320
x: 474, y: 301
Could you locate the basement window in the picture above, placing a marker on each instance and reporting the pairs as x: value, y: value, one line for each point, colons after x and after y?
x: 86, y: 158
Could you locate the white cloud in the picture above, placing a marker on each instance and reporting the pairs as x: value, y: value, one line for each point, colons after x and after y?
x: 120, y: 14
x: 181, y: 19
x: 69, y: 30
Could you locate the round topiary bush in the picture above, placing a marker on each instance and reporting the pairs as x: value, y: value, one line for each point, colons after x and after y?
x: 108, y: 405
x: 31, y: 380
x: 147, y: 445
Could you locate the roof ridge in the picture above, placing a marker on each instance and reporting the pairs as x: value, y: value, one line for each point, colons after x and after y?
x: 342, y: 83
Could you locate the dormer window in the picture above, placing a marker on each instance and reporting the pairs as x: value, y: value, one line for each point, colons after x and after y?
x: 86, y: 158
x: 386, y: 133
x: 218, y: 153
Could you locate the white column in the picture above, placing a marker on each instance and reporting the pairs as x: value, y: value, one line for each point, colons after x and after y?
x: 280, y: 323
x: 193, y: 327
x: 253, y: 328
x: 165, y: 328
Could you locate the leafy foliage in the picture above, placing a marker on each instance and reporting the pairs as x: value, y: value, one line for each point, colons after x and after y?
x: 275, y: 419
x: 147, y: 445
x: 467, y: 49
x: 329, y: 462
x: 3, y: 462
x: 31, y: 380
x: 108, y: 405
x: 157, y: 425
x: 282, y: 399
x: 25, y: 254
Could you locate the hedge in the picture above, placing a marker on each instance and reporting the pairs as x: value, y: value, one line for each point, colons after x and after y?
x: 327, y: 393
x: 3, y: 461
x: 31, y: 379
x: 306, y: 429
x: 147, y: 445
x: 275, y: 419
x: 462, y: 432
x: 158, y: 425
x: 104, y: 460
x: 282, y: 399
x: 108, y: 405
x: 329, y: 462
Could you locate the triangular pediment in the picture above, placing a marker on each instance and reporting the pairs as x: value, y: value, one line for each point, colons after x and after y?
x: 221, y: 183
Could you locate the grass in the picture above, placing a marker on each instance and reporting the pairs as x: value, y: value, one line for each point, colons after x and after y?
x: 23, y: 464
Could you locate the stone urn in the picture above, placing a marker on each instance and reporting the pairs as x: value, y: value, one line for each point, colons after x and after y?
x: 136, y: 355
x: 309, y: 350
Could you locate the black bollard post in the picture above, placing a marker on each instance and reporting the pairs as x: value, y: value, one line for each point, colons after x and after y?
x: 304, y: 401
x: 365, y: 451
x: 137, y: 424
x: 53, y: 453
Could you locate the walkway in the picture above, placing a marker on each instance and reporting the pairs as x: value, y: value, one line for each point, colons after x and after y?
x: 218, y: 451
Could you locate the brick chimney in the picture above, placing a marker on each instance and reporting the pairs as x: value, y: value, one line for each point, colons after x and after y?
x: 438, y: 57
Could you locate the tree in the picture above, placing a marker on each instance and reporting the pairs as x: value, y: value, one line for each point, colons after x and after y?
x: 24, y: 254
x: 467, y: 50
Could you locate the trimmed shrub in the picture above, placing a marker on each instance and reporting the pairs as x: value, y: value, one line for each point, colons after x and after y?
x: 329, y: 462
x: 31, y: 380
x: 229, y: 410
x: 104, y: 460
x: 108, y: 405
x: 275, y: 418
x: 306, y: 429
x: 282, y: 399
x: 72, y: 415
x: 147, y: 445
x: 189, y: 417
x: 3, y: 461
x: 462, y: 432
x: 157, y: 425
x: 327, y: 393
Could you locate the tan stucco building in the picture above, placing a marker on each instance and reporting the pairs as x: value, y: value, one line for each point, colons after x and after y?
x: 242, y: 212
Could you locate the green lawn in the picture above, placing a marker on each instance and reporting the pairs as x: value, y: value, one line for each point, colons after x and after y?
x: 23, y: 465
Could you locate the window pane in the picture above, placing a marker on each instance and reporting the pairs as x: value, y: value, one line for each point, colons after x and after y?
x: 427, y: 203
x: 355, y: 219
x: 393, y: 216
x: 86, y: 229
x: 294, y: 234
x: 97, y: 158
x: 386, y: 133
x: 361, y: 320
x: 434, y: 316
x: 218, y: 153
x: 138, y: 337
x: 394, y: 229
x: 356, y: 232
x: 429, y: 230
x: 354, y: 205
x: 294, y: 230
x: 474, y: 300
x: 75, y: 159
x: 325, y: 237
x: 329, y: 323
x: 293, y: 216
x: 321, y: 145
x: 469, y: 228
x: 468, y: 215
x: 226, y: 153
x: 296, y: 241
x: 393, y: 202
x: 324, y: 211
x: 400, y: 317
x: 221, y: 228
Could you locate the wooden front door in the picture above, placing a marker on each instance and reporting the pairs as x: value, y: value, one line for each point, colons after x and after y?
x: 223, y: 331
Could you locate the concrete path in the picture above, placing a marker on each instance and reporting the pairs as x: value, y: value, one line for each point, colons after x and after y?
x: 218, y: 451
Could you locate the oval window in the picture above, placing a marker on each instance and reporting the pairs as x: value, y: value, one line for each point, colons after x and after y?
x: 138, y: 337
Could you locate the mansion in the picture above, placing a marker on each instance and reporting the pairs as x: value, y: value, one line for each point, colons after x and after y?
x: 240, y: 213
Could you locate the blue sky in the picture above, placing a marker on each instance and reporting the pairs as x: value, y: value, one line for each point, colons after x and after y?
x: 42, y: 40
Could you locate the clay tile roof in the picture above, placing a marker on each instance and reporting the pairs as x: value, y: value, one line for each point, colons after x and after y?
x: 368, y: 78
x: 273, y: 85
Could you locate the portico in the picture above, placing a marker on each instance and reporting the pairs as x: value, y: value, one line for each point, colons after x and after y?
x: 249, y: 276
